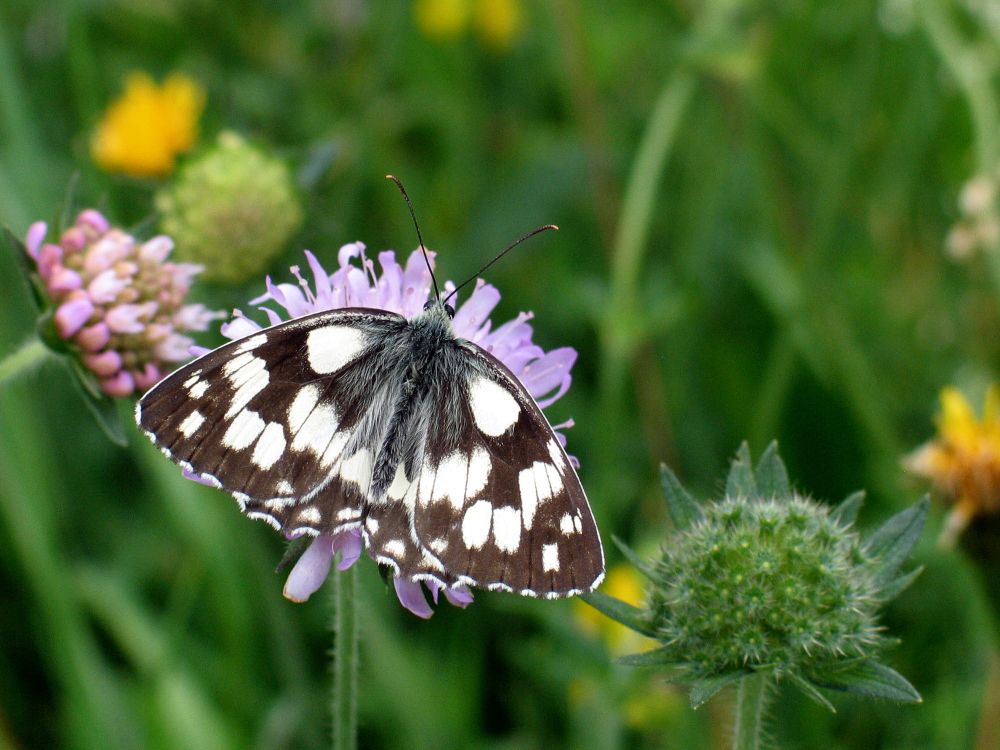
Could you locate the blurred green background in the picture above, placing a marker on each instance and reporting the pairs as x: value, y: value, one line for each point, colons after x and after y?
x: 754, y: 200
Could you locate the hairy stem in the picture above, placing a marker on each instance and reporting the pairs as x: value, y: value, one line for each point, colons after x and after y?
x: 31, y: 354
x: 748, y: 723
x: 345, y: 660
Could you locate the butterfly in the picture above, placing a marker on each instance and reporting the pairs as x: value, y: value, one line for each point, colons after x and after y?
x: 359, y: 418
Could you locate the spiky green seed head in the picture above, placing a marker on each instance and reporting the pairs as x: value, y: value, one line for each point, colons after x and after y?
x: 231, y: 209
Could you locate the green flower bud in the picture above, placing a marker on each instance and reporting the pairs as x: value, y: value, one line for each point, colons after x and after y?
x: 232, y: 209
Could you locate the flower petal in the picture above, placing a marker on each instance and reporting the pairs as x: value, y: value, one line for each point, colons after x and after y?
x: 71, y: 316
x: 411, y: 596
x: 476, y: 310
x: 548, y: 372
x: 311, y: 569
x: 34, y: 238
x: 348, y: 544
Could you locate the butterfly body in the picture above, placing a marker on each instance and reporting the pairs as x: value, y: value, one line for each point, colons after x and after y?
x: 361, y: 419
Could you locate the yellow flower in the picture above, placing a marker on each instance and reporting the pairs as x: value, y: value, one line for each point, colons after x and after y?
x: 963, y: 462
x: 441, y: 19
x: 498, y: 21
x: 623, y: 582
x: 144, y: 130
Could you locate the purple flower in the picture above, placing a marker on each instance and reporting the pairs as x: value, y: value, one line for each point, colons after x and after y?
x: 405, y: 290
x: 118, y: 302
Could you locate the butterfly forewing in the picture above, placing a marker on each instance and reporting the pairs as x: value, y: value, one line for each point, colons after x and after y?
x: 268, y: 418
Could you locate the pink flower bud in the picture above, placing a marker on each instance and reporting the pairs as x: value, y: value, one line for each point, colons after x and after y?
x: 71, y: 316
x: 129, y: 318
x: 93, y: 338
x: 36, y: 235
x: 106, y: 287
x: 149, y: 377
x: 62, y: 280
x: 94, y: 219
x: 108, y: 250
x: 73, y: 239
x: 156, y: 249
x: 105, y: 364
x: 119, y: 386
x: 48, y: 258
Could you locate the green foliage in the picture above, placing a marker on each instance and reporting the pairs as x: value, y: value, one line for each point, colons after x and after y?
x: 754, y: 202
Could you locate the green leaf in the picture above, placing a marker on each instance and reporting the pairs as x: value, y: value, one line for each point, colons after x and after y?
x: 900, y: 584
x: 708, y: 687
x: 619, y: 611
x: 100, y: 406
x: 740, y: 482
x: 772, y: 477
x: 869, y: 678
x: 27, y: 266
x: 893, y: 541
x: 683, y: 508
x: 633, y: 557
x: 847, y: 512
x: 809, y: 689
x: 658, y: 657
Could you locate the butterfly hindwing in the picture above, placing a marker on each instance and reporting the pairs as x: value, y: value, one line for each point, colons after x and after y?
x: 275, y: 418
x: 495, y: 501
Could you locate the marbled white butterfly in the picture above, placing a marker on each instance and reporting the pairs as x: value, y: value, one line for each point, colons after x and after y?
x: 360, y: 418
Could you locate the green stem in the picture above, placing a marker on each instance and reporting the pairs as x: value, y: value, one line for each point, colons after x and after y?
x: 751, y: 699
x: 345, y: 660
x: 31, y: 354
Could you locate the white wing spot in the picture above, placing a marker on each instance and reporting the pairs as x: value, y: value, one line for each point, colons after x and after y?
x: 358, y: 469
x: 346, y: 514
x: 189, y: 383
x: 198, y: 389
x: 395, y: 547
x: 334, y: 449
x: 479, y: 471
x: 243, y: 430
x: 476, y: 524
x: 550, y: 558
x: 578, y: 524
x: 270, y: 446
x: 371, y: 523
x: 302, y: 406
x: 331, y: 347
x: 285, y: 487
x: 316, y: 432
x: 566, y: 524
x: 237, y: 363
x: 439, y: 545
x: 252, y: 342
x: 249, y: 379
x: 310, y: 515
x: 449, y: 480
x: 493, y: 408
x: 400, y: 484
x: 507, y: 528
x: 191, y: 423
x: 529, y: 496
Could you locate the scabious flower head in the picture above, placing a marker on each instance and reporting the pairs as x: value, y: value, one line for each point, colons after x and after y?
x: 404, y: 290
x: 118, y: 304
x: 143, y: 131
x: 963, y: 461
x: 232, y: 209
x: 765, y: 581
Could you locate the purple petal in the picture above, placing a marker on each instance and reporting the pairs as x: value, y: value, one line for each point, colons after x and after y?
x: 120, y: 386
x: 188, y: 474
x: 105, y: 364
x: 63, y: 280
x: 321, y: 280
x: 239, y: 327
x: 36, y: 235
x: 156, y: 249
x: 93, y: 338
x: 348, y: 544
x: 129, y: 318
x: 411, y: 596
x: 198, y: 351
x: 476, y: 310
x: 311, y: 570
x: 459, y: 596
x: 548, y: 372
x: 71, y: 316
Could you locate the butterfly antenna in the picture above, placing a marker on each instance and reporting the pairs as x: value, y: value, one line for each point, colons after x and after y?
x: 506, y: 250
x: 423, y: 249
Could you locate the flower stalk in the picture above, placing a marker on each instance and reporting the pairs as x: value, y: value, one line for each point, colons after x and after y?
x: 751, y: 700
x: 345, y: 660
x: 28, y: 356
